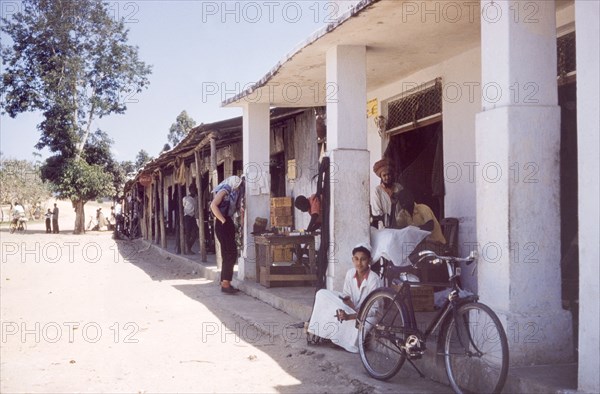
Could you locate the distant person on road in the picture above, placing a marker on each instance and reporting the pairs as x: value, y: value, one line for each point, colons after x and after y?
x: 119, y: 216
x: 55, y: 220
x: 223, y: 206
x: 18, y: 212
x: 102, y: 222
x: 334, y: 313
x: 48, y: 221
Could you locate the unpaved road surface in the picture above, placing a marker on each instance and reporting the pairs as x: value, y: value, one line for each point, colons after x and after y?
x: 88, y: 314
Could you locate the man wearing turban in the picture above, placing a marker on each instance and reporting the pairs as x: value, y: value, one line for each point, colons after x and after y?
x: 385, y: 193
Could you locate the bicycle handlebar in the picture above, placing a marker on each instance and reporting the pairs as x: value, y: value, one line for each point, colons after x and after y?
x: 435, y: 259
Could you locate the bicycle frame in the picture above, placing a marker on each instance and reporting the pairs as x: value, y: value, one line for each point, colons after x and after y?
x: 451, y: 303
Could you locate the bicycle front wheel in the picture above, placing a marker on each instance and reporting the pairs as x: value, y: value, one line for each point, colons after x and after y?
x: 381, y: 334
x: 476, y: 350
x: 13, y: 227
x: 23, y: 227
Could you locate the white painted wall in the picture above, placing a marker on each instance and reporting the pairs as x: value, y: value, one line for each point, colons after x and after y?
x: 461, y: 78
x: 588, y: 80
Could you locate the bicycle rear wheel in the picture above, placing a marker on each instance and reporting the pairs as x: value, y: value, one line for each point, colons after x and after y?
x: 23, y: 227
x: 476, y: 350
x: 381, y: 333
x: 13, y: 227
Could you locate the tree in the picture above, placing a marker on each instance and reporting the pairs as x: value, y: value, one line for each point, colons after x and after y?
x: 183, y: 124
x: 20, y: 181
x: 166, y: 147
x: 128, y: 168
x: 70, y: 61
x: 141, y: 159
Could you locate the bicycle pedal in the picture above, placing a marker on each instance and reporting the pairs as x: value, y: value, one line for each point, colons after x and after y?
x: 414, y: 355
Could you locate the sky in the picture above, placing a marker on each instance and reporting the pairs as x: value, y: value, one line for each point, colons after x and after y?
x: 193, y: 47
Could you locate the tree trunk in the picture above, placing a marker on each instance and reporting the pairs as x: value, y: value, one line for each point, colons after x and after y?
x: 79, y: 217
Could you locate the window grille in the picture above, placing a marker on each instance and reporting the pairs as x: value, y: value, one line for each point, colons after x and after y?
x: 412, y: 108
x: 566, y: 54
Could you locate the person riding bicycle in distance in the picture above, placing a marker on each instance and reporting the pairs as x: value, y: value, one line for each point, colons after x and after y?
x: 334, y: 313
x: 18, y: 212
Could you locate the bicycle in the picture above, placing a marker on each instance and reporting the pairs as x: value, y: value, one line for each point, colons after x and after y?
x: 475, y: 347
x: 19, y: 224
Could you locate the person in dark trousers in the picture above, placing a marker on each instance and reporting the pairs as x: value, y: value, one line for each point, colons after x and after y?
x: 223, y: 206
x: 48, y: 221
x: 55, y: 220
x: 190, y: 228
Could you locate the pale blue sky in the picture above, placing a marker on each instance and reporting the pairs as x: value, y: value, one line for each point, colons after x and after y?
x: 189, y: 43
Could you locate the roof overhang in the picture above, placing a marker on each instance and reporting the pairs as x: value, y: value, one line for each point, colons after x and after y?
x: 400, y: 40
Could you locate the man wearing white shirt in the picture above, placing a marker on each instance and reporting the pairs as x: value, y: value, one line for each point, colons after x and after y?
x: 190, y: 228
x: 334, y: 313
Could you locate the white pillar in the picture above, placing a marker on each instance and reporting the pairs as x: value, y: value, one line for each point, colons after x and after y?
x: 588, y: 80
x: 347, y: 145
x: 518, y: 206
x: 256, y: 151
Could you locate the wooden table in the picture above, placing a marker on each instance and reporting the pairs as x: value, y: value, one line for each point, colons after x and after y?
x: 295, y: 270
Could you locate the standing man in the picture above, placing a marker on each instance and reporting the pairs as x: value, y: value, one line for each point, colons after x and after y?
x: 55, y: 220
x: 190, y: 228
x: 386, y: 193
x: 118, y: 216
x: 48, y: 221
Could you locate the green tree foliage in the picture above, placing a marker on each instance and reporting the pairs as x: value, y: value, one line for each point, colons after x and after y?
x: 71, y: 61
x: 20, y: 181
x: 178, y: 130
x: 141, y: 159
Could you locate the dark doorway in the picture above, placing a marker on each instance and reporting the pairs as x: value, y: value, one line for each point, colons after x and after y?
x: 208, y: 216
x: 567, y: 99
x: 418, y: 159
x: 277, y: 169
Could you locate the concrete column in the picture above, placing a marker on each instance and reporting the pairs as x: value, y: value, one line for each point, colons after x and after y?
x: 518, y: 212
x: 256, y: 129
x: 588, y: 79
x: 347, y: 145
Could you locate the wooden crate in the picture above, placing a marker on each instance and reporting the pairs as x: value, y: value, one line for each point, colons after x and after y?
x: 281, y: 211
x: 282, y: 253
x: 282, y: 202
x: 422, y: 298
x: 282, y: 221
x: 287, y: 276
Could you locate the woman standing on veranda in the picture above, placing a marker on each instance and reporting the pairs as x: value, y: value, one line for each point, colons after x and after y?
x: 223, y: 206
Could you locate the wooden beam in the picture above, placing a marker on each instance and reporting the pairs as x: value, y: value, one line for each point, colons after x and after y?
x: 163, y: 234
x: 152, y: 208
x: 181, y: 187
x: 200, y: 199
x: 214, y: 180
x: 214, y: 174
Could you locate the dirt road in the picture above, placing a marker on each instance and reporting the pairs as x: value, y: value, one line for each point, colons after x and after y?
x: 86, y: 314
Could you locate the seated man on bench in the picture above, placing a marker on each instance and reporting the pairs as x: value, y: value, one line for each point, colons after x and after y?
x: 420, y: 215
